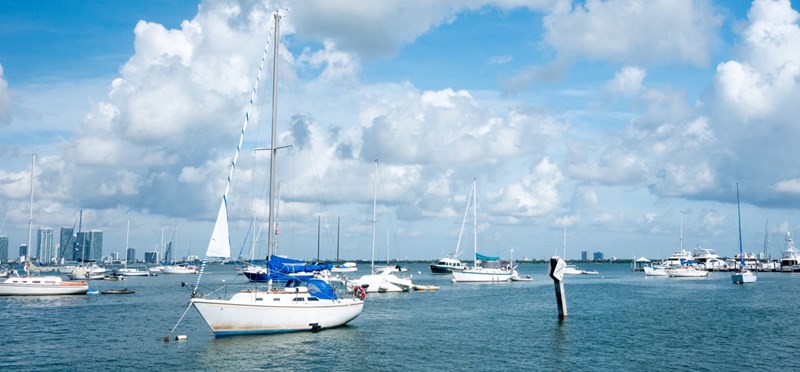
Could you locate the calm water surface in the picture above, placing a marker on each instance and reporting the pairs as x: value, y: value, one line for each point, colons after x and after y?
x: 618, y: 320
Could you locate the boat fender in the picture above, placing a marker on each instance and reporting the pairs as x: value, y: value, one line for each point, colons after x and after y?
x: 360, y: 293
x: 315, y: 327
x: 181, y: 338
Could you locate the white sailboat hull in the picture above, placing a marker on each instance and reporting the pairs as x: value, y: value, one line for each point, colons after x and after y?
x: 272, y: 312
x: 41, y: 286
x: 179, y: 270
x: 687, y: 273
x: 743, y: 277
x: 132, y: 272
x: 655, y: 271
x: 481, y: 275
x: 384, y: 283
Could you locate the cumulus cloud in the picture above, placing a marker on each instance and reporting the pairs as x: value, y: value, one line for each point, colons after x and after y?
x: 380, y: 29
x: 634, y: 32
x: 766, y: 79
x: 627, y: 81
x: 536, y: 194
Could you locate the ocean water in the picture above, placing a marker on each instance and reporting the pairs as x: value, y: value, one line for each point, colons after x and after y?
x: 618, y: 320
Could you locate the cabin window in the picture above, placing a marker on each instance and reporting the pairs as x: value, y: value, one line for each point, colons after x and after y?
x: 259, y: 298
x: 313, y: 299
x: 298, y: 299
x: 276, y: 299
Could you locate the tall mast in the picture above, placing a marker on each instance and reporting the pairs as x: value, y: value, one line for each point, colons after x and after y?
x: 739, y: 213
x: 475, y: 220
x: 374, y: 214
x: 681, y: 230
x: 127, y: 236
x: 272, y: 164
x: 319, y: 222
x: 766, y: 237
x: 338, y: 220
x: 30, y: 209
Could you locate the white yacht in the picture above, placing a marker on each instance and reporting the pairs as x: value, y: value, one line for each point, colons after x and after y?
x: 179, y: 269
x: 790, y: 256
x: 708, y: 259
x: 686, y: 271
x: 447, y: 265
x: 384, y: 280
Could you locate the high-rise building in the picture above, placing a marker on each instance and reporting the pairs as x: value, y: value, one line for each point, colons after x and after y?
x: 67, y: 244
x: 598, y: 256
x: 45, y: 250
x: 23, y: 250
x: 97, y: 245
x: 3, y: 248
x: 131, y: 255
x: 90, y: 246
x: 151, y: 257
x: 168, y: 253
x: 584, y: 256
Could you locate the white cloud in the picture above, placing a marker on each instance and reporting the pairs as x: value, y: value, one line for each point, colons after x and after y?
x: 500, y: 60
x: 788, y: 186
x: 536, y: 194
x: 380, y: 29
x: 627, y: 81
x: 767, y: 77
x: 634, y: 31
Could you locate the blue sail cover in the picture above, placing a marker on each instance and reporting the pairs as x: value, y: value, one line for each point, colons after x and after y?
x: 281, y: 265
x: 481, y: 257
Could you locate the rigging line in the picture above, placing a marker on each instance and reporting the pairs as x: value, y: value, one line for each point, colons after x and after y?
x: 238, y: 147
x: 8, y: 210
x: 390, y: 217
x: 317, y: 180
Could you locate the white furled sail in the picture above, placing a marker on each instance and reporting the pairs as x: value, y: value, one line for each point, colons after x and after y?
x: 220, y: 245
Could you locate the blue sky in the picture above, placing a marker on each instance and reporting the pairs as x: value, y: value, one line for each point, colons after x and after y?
x: 607, y: 117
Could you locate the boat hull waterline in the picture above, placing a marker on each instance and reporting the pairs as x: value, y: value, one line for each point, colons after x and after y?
x: 481, y: 276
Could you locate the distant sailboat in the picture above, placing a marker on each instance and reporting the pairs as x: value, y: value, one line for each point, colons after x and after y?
x: 305, y: 303
x: 383, y: 279
x: 39, y: 285
x: 742, y: 275
x: 347, y: 267
x: 485, y: 268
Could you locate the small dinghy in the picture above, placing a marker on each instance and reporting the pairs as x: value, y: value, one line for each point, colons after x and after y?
x: 118, y: 291
x: 517, y: 278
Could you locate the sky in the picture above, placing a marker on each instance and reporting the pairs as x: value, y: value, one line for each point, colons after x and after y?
x: 627, y: 124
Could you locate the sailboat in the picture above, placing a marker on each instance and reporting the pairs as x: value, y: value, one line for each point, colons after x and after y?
x: 572, y: 269
x: 381, y: 280
x: 347, y: 267
x: 305, y: 303
x: 742, y: 275
x: 39, y: 285
x: 485, y: 268
x: 447, y: 265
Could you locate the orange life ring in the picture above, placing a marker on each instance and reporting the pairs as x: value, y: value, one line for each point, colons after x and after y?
x: 359, y: 292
